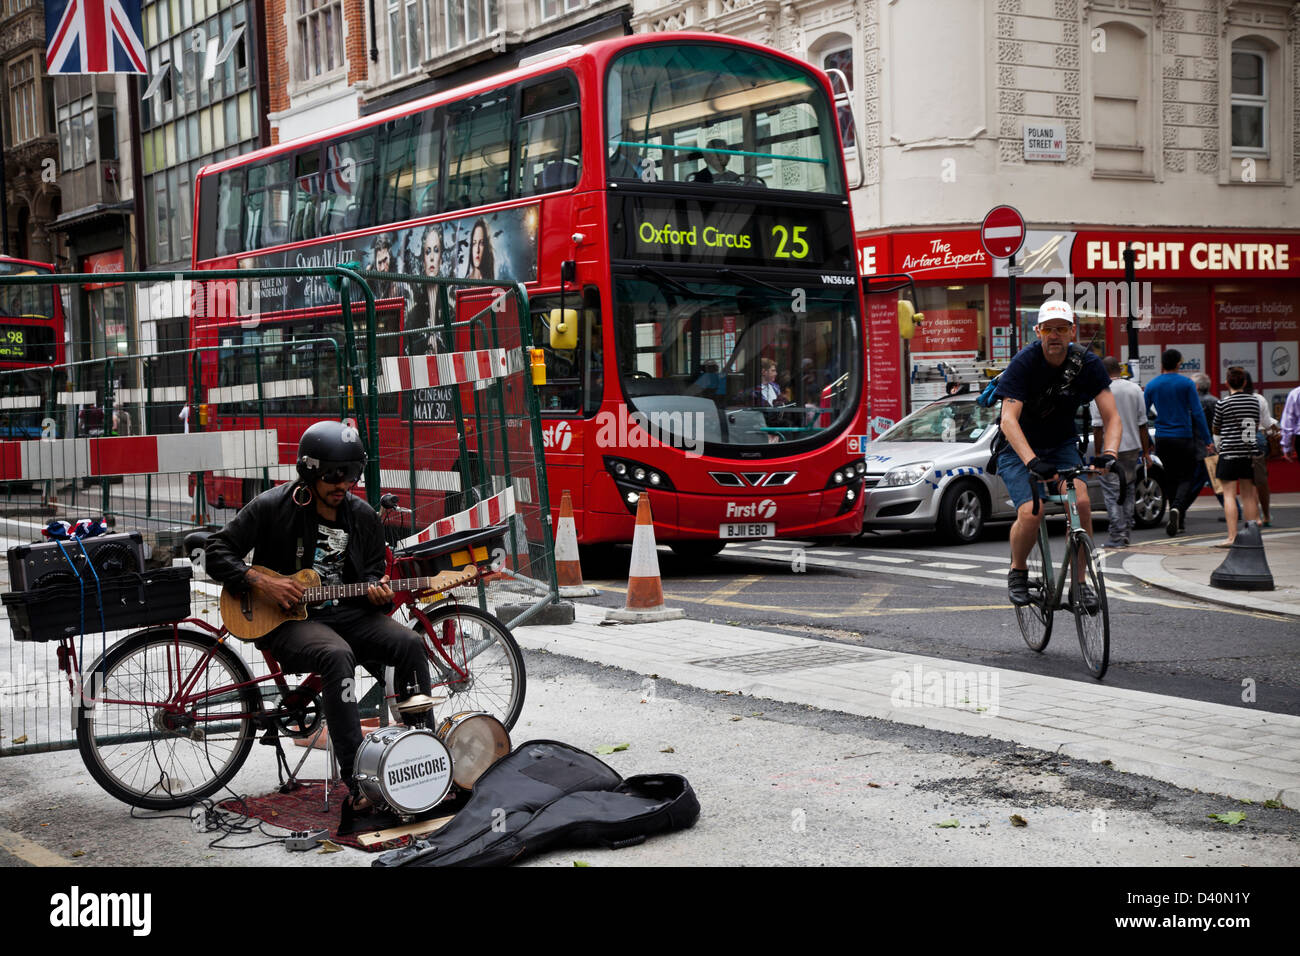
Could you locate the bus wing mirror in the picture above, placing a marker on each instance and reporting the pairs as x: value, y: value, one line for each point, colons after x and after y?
x: 564, y: 329
x: 908, y: 319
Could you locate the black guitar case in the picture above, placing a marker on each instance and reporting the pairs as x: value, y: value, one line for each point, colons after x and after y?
x: 546, y: 795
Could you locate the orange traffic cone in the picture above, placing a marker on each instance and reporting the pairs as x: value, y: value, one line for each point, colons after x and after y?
x: 568, y: 568
x: 645, y: 591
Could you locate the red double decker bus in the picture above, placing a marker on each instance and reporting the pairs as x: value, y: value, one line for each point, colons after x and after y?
x: 689, y: 193
x: 32, y: 337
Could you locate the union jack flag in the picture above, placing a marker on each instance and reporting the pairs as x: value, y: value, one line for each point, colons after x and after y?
x: 94, y: 36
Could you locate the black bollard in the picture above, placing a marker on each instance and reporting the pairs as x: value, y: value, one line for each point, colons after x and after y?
x: 1245, y: 568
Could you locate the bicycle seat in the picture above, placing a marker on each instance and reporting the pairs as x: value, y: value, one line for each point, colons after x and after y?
x: 196, y: 541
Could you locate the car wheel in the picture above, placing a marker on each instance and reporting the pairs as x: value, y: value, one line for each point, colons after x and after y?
x: 1148, y: 501
x: 962, y: 513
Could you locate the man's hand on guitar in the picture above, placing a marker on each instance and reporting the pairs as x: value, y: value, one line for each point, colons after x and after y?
x: 380, y: 593
x: 284, y: 592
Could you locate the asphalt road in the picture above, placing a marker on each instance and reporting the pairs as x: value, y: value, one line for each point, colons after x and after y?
x: 914, y: 592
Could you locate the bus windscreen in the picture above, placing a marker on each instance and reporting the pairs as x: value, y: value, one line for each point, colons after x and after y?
x: 720, y: 115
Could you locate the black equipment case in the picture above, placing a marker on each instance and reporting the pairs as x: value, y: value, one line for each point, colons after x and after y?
x: 62, y: 561
x: 67, y: 608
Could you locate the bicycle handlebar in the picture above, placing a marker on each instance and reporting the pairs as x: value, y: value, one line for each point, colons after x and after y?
x: 1071, y: 474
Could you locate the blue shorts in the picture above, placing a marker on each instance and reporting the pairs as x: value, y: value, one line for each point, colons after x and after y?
x: 1015, y: 475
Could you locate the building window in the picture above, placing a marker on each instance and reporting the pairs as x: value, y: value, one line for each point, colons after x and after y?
x: 320, y: 38
x: 842, y: 61
x: 405, y: 35
x: 1120, y: 117
x: 77, y: 133
x: 1249, y: 100
x: 22, y: 99
x: 554, y: 8
x: 469, y: 20
x: 107, y: 127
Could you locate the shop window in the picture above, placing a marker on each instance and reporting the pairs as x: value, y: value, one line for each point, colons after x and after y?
x: 1120, y: 102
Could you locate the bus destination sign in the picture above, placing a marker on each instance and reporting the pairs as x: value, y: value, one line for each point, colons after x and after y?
x: 728, y: 233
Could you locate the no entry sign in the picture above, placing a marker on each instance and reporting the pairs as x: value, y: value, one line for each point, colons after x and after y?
x: 1002, y: 232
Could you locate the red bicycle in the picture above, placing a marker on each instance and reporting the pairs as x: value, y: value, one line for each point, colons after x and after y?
x: 168, y: 714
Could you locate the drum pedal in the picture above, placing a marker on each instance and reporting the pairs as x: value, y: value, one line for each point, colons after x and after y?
x: 305, y: 839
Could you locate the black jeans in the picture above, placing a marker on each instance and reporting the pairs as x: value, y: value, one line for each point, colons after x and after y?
x: 331, y: 643
x: 1178, y: 460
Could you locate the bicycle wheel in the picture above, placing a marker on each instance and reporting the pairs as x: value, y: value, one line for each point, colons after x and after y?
x: 477, y: 665
x: 1093, y: 624
x: 1035, y: 618
x: 144, y: 747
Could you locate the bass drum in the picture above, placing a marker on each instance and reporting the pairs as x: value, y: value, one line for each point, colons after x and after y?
x: 405, y: 768
x: 476, y: 741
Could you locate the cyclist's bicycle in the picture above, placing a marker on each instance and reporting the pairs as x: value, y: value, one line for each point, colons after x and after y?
x: 169, y: 713
x: 1079, y: 568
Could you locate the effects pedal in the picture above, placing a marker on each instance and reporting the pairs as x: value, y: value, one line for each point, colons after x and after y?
x: 305, y: 839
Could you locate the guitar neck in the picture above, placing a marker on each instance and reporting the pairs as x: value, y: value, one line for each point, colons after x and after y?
x: 335, y: 592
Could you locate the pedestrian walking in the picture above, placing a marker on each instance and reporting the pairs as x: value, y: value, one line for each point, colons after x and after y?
x: 1260, y: 461
x: 1235, y: 421
x: 1290, y: 424
x: 1180, y: 428
x: 1134, y: 445
x: 1205, y: 469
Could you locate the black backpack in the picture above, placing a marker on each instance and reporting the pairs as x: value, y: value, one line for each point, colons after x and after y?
x: 1039, y: 406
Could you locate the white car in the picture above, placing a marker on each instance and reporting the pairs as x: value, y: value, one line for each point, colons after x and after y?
x: 930, y: 472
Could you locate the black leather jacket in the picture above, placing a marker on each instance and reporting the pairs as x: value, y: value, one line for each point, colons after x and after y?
x: 282, y: 536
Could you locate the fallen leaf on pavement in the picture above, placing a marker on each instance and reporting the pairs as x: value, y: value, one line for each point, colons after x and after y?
x: 581, y: 863
x: 20, y: 740
x: 874, y: 786
x: 1230, y: 818
x: 611, y: 748
x: 949, y: 824
x: 737, y: 718
x: 1018, y: 821
x: 328, y: 846
x: 667, y: 750
x: 79, y: 853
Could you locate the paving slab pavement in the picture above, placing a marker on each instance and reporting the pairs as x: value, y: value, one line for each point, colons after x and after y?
x: 1192, y: 744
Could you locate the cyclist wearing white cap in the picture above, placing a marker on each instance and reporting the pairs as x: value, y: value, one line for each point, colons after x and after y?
x: 1041, y: 390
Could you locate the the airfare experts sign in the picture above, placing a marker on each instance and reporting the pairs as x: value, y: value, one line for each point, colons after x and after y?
x: 1045, y: 141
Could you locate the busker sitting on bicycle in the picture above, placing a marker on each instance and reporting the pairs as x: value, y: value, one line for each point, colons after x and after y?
x: 315, y: 523
x: 1041, y: 390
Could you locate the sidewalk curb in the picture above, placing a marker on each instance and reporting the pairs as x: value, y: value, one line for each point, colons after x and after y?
x: 1150, y: 569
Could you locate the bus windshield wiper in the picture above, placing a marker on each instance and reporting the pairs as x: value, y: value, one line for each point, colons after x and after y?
x: 745, y: 277
x: 652, y: 272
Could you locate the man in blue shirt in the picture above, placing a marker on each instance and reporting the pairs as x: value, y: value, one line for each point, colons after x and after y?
x: 1180, y: 425
x: 1038, y: 408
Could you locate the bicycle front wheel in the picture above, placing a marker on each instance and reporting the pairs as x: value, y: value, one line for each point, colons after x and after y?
x: 146, y: 744
x: 476, y: 663
x: 1091, y: 617
x: 1035, y: 618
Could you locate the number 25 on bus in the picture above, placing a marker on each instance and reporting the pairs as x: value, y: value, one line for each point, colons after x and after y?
x: 684, y: 193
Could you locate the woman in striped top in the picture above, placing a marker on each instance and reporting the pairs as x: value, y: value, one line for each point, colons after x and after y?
x: 1235, y: 420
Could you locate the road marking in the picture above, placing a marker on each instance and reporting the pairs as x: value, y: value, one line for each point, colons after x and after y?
x: 736, y: 586
x: 950, y: 566
x: 833, y: 554
x: 33, y: 853
x: 887, y: 559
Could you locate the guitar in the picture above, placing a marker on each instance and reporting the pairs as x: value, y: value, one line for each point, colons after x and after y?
x: 248, y: 616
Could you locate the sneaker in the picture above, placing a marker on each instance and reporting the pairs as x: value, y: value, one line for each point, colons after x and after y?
x: 1084, y: 595
x: 1171, y: 528
x: 1018, y: 586
x: 1116, y: 545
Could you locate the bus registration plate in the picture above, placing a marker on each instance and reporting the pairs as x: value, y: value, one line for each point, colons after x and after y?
x: 760, y: 529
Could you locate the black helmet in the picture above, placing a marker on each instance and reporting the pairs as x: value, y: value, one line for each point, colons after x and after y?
x: 331, y: 451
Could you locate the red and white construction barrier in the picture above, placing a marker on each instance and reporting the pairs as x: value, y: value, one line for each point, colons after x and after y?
x: 70, y: 458
x: 403, y: 372
x: 483, y: 515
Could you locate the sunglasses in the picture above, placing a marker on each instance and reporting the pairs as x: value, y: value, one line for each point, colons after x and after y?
x: 334, y: 474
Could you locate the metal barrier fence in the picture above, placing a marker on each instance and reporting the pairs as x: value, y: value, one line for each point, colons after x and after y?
x: 165, y: 442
